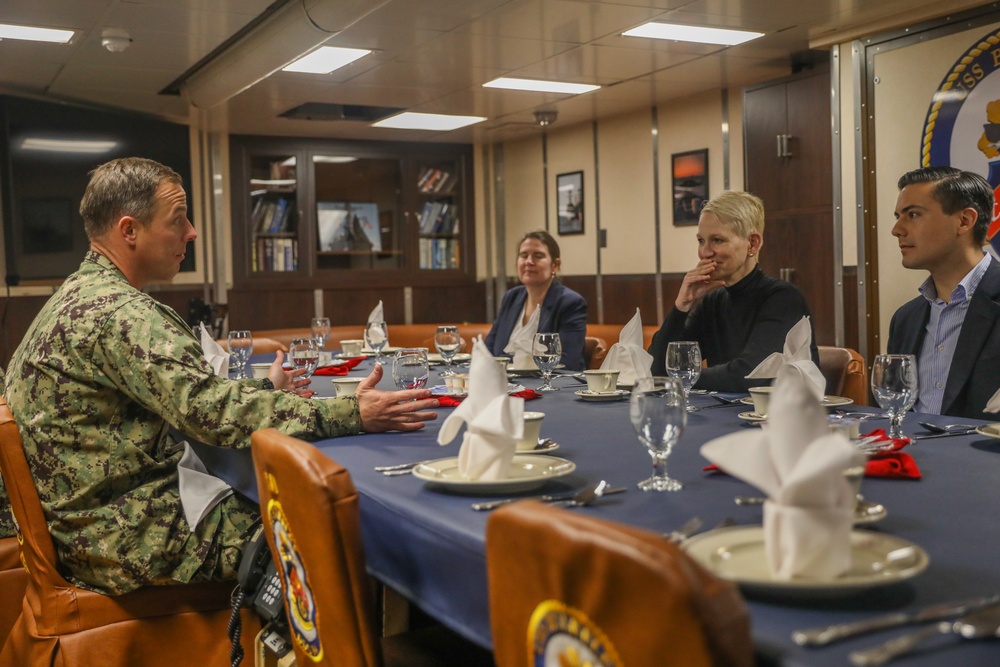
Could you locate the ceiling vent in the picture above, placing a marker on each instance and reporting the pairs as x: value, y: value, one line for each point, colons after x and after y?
x: 324, y: 111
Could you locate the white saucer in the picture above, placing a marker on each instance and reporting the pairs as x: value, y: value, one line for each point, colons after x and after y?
x: 828, y: 401
x: 435, y: 358
x: 751, y: 417
x: 737, y: 554
x: 616, y: 395
x: 989, y: 430
x: 527, y: 471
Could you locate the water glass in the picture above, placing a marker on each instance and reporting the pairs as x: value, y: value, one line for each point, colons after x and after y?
x: 320, y: 330
x: 657, y: 410
x: 684, y: 363
x: 447, y: 341
x: 894, y: 383
x: 240, y: 349
x: 546, y: 350
x: 409, y: 368
x: 377, y: 337
x: 304, y: 353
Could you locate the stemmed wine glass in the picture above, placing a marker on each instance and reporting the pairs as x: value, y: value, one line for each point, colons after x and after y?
x: 546, y: 350
x: 409, y: 368
x: 684, y: 363
x: 894, y: 383
x: 656, y: 408
x: 240, y: 349
x: 303, y: 353
x: 377, y: 337
x: 320, y: 330
x: 447, y: 341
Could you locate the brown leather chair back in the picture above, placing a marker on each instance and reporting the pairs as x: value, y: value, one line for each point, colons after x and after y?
x: 633, y: 592
x: 845, y: 372
x: 61, y: 624
x: 312, y: 504
x: 260, y: 345
x: 13, y: 581
x: 594, y: 351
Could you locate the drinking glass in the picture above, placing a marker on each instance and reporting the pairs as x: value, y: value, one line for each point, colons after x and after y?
x: 303, y: 353
x: 240, y: 349
x: 656, y: 408
x: 684, y: 363
x: 447, y: 341
x: 377, y: 337
x: 546, y: 350
x: 894, y: 383
x: 409, y: 368
x: 320, y: 330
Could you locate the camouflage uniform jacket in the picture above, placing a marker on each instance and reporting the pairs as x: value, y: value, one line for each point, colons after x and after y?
x: 102, y: 374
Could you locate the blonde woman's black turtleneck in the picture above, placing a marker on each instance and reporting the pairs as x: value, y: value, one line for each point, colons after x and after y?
x: 736, y: 328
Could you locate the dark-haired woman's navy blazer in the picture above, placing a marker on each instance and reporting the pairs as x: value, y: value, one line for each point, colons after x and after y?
x: 563, y: 312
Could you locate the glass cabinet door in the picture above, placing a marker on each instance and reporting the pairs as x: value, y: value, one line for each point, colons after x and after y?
x: 439, y: 221
x: 274, y: 221
x: 358, y: 212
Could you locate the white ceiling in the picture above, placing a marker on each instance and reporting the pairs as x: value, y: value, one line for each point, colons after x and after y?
x: 432, y: 56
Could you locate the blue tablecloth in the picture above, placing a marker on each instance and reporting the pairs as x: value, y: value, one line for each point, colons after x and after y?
x: 429, y: 545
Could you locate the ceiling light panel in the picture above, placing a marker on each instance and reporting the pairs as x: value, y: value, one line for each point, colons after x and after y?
x: 691, y: 33
x: 34, y: 34
x: 540, y: 86
x: 325, y: 59
x: 428, y: 121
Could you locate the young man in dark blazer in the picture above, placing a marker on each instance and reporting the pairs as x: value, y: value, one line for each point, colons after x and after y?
x: 953, y: 327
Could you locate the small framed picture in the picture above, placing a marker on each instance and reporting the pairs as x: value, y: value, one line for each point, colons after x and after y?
x: 689, y: 172
x: 569, y: 199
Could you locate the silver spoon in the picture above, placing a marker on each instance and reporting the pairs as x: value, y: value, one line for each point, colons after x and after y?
x: 945, y: 428
x: 588, y: 494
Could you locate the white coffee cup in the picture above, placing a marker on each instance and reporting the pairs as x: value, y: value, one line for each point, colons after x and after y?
x: 260, y: 370
x: 601, y: 382
x: 850, y: 428
x: 761, y: 397
x: 351, y: 348
x: 532, y: 430
x: 346, y: 386
x: 325, y: 357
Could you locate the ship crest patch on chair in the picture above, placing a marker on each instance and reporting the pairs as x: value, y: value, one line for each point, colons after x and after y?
x: 299, y: 599
x: 561, y: 636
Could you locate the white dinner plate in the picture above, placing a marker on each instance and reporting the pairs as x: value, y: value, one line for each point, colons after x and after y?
x: 828, y: 401
x: 989, y: 430
x: 616, y: 395
x: 527, y: 471
x: 751, y: 417
x: 341, y: 355
x: 388, y: 349
x: 435, y: 358
x: 737, y: 554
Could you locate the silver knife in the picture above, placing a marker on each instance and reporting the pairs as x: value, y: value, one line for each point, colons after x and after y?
x: 949, y: 434
x: 832, y: 633
x: 493, y: 504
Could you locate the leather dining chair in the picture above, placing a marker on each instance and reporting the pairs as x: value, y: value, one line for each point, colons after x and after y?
x: 845, y: 372
x: 594, y: 351
x: 260, y: 345
x: 13, y: 581
x: 313, y: 528
x: 596, y: 588
x: 62, y: 625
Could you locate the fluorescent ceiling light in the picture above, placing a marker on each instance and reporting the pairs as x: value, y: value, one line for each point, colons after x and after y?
x: 427, y: 121
x: 67, y: 145
x: 273, y: 181
x: 325, y: 60
x: 539, y: 86
x: 334, y: 159
x: 691, y: 33
x: 34, y: 34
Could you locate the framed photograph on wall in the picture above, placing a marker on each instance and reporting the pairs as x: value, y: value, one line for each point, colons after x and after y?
x: 689, y: 174
x: 569, y: 200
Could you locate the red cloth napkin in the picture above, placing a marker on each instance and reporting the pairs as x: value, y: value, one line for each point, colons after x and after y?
x: 453, y: 401
x: 890, y: 464
x: 340, y: 369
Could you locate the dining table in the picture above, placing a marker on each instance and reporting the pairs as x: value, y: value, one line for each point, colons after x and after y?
x: 426, y: 542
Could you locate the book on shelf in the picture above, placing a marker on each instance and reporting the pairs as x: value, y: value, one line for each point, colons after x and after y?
x: 433, y: 180
x: 276, y: 254
x: 438, y: 253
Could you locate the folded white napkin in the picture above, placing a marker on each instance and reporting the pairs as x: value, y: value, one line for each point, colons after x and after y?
x: 376, y: 335
x: 628, y: 355
x: 799, y: 464
x: 200, y: 491
x: 520, y: 342
x: 216, y: 357
x: 798, y: 342
x: 993, y: 405
x: 494, y: 421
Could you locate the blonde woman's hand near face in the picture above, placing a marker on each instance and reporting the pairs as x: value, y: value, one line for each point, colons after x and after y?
x: 696, y: 284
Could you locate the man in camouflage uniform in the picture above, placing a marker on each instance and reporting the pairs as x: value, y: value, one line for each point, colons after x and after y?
x: 105, y: 371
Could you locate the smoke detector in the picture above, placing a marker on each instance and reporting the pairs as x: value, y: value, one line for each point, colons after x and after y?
x: 546, y: 118
x: 115, y: 40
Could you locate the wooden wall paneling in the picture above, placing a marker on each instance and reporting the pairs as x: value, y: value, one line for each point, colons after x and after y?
x: 585, y: 286
x: 270, y: 308
x: 458, y: 303
x: 352, y: 306
x: 179, y: 299
x: 18, y: 314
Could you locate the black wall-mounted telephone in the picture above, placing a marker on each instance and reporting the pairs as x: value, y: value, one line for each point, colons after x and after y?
x: 259, y: 578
